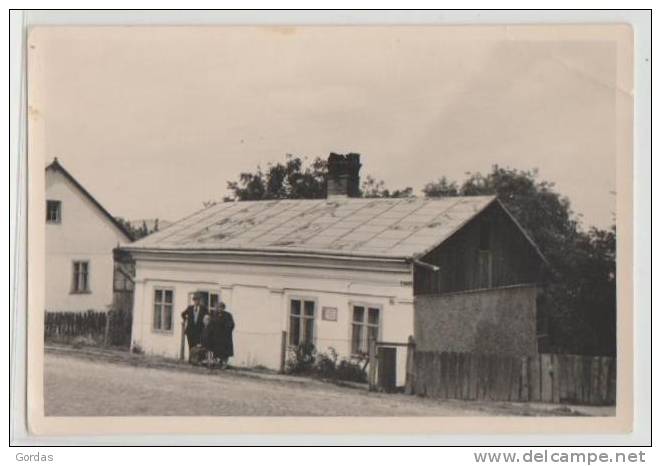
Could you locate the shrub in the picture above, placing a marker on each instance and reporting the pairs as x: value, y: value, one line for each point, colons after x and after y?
x: 351, y: 371
x: 325, y: 366
x: 304, y: 359
x: 301, y: 359
x: 137, y: 349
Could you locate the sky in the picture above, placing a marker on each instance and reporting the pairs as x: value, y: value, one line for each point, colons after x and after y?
x: 155, y: 121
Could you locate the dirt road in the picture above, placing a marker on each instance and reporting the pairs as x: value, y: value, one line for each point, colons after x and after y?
x: 75, y: 386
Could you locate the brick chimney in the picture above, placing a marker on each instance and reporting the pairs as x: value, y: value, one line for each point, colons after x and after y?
x: 343, y: 175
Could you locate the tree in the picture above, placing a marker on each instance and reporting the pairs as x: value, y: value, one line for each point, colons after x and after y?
x: 372, y: 188
x: 441, y: 188
x: 297, y: 179
x: 137, y: 233
x: 288, y: 180
x: 591, y: 289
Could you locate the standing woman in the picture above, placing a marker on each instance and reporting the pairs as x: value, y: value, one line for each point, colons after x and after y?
x: 225, y: 327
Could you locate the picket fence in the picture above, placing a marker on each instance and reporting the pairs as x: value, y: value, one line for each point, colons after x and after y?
x: 553, y: 378
x: 112, y: 327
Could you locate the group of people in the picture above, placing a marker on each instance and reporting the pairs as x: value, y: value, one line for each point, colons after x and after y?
x: 209, y: 333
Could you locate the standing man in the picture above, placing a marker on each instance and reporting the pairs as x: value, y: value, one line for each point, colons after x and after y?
x: 225, y: 326
x: 194, y: 317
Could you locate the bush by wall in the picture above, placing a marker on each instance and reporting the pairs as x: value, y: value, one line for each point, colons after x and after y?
x: 305, y: 360
x: 301, y: 359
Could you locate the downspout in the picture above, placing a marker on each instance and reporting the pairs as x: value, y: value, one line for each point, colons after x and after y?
x: 426, y: 265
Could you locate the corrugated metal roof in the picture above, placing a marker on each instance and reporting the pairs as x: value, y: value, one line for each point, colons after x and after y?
x: 404, y: 227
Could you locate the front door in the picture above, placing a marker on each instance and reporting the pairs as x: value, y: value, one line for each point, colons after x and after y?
x: 210, y: 299
x: 387, y: 368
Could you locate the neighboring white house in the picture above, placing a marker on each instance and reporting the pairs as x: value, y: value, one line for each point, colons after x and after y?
x: 80, y: 238
x: 335, y: 272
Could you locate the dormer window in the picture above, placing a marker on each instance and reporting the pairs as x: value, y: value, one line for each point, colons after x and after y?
x: 53, y: 211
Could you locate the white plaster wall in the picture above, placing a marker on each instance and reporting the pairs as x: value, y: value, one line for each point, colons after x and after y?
x: 83, y: 234
x: 258, y: 297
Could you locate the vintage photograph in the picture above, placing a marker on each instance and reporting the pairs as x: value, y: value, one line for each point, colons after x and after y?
x: 316, y: 221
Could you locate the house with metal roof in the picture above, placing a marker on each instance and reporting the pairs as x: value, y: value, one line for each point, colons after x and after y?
x: 457, y: 273
x: 81, y: 236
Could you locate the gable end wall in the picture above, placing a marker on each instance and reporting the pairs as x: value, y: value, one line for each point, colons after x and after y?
x: 514, y: 260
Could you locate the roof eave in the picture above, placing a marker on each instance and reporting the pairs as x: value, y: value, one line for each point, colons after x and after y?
x: 268, y: 252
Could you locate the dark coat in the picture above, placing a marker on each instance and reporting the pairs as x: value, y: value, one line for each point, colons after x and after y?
x: 194, y: 329
x: 223, y: 325
x: 208, y: 337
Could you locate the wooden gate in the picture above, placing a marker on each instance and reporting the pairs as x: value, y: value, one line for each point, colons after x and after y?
x: 382, y: 373
x: 387, y: 368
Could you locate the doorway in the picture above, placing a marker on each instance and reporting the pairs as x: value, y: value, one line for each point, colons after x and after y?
x: 208, y: 298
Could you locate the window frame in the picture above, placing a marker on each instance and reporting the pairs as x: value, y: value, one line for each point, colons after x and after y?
x: 301, y: 319
x: 75, y: 277
x: 162, y: 303
x: 364, y: 325
x: 57, y: 221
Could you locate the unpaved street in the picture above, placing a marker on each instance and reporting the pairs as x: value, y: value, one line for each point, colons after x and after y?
x: 76, y: 386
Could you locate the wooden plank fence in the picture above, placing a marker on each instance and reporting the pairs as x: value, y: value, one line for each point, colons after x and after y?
x: 552, y: 378
x: 112, y: 327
